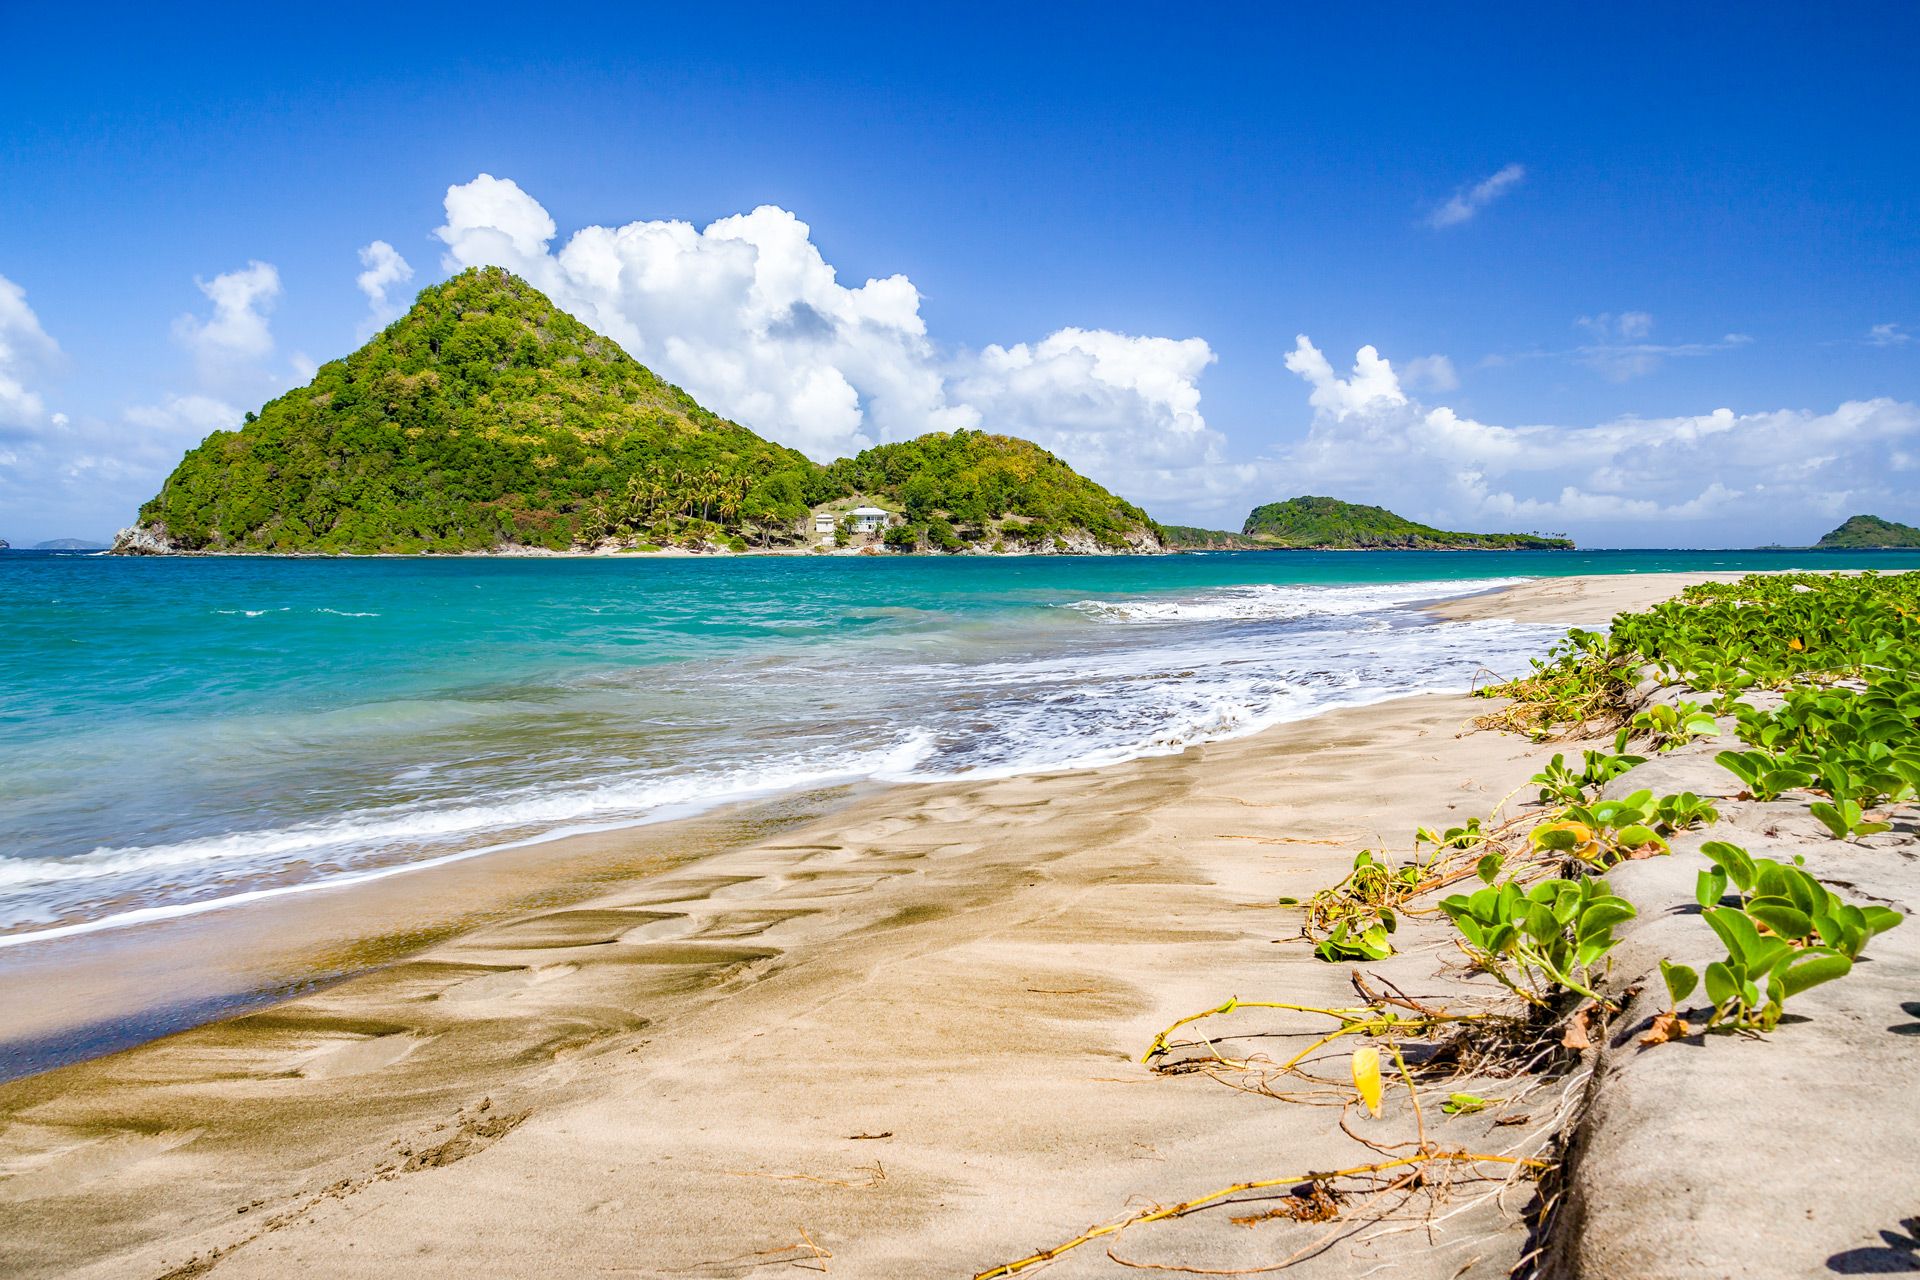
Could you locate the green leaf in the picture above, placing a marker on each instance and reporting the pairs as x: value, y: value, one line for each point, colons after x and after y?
x: 1786, y: 920
x: 1735, y: 929
x: 1830, y: 818
x: 1680, y: 980
x: 1810, y: 968
x: 1722, y: 986
x: 1604, y: 915
x: 1881, y: 919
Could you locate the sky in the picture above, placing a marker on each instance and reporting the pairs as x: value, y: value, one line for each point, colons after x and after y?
x: 1644, y: 276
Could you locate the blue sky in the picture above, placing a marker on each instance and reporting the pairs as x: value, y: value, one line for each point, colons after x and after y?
x: 1675, y: 214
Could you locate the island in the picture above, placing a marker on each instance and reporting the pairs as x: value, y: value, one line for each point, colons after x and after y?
x: 1870, y: 533
x: 488, y: 420
x: 1328, y: 524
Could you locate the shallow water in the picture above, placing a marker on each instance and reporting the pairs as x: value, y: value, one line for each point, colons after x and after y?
x: 176, y: 733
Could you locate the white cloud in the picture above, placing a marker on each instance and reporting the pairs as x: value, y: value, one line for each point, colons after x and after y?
x: 1429, y: 373
x: 1774, y: 471
x: 232, y: 341
x: 385, y: 268
x: 750, y: 318
x: 25, y: 351
x: 1467, y: 202
x: 1888, y: 335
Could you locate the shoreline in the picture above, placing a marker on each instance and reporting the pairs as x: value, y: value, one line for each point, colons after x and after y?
x: 956, y: 976
x: 1538, y: 600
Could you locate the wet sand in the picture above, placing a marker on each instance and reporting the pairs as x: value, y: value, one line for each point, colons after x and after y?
x: 901, y: 1028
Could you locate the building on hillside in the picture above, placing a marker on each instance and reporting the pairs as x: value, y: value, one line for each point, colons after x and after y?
x: 868, y: 519
x: 823, y: 522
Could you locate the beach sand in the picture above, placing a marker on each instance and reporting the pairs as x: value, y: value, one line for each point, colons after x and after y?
x: 901, y: 1028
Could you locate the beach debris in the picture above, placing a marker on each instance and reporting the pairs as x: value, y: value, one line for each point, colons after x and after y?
x: 1666, y: 1026
x: 1366, y: 1077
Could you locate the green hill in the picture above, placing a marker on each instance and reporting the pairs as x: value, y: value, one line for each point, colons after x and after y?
x: 1329, y: 524
x: 974, y: 488
x: 1864, y: 533
x: 488, y: 418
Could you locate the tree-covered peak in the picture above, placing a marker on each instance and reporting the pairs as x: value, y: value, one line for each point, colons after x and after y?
x: 486, y: 417
x: 1865, y: 532
x: 1313, y: 521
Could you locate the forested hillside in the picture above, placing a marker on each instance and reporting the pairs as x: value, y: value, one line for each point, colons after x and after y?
x: 488, y: 418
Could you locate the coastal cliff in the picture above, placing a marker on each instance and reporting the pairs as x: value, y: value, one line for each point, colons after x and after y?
x: 489, y: 420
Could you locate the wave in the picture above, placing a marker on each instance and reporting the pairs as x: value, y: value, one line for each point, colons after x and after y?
x: 1267, y: 602
x: 551, y: 814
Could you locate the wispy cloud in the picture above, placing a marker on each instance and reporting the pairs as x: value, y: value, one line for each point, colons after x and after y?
x: 1620, y: 347
x: 1466, y: 203
x: 1430, y: 373
x: 1888, y: 335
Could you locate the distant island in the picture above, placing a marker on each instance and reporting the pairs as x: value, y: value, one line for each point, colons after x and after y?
x: 489, y: 420
x: 1328, y: 524
x: 70, y: 544
x: 1870, y: 533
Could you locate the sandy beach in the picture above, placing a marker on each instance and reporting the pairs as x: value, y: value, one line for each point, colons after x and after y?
x: 887, y: 1033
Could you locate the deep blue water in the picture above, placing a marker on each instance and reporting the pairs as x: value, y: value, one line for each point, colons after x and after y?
x: 177, y: 731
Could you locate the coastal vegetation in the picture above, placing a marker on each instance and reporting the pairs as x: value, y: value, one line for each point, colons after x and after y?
x: 488, y: 418
x: 1838, y: 734
x: 1870, y: 533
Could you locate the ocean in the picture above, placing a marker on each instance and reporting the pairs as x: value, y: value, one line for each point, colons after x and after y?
x: 178, y: 735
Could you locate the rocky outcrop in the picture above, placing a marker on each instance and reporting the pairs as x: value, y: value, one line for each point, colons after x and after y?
x: 143, y: 540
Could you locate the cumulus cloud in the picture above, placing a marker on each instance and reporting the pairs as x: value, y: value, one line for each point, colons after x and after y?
x: 751, y: 319
x: 237, y: 336
x: 1466, y: 203
x: 25, y: 352
x: 1788, y: 471
x: 385, y: 268
x: 1888, y: 335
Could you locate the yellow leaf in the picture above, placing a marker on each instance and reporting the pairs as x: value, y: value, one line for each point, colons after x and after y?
x: 1366, y: 1076
x: 1795, y: 645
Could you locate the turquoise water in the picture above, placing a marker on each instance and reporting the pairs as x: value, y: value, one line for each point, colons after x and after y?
x: 180, y: 733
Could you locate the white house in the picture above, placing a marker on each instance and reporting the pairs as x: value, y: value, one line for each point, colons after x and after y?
x: 823, y: 522
x: 867, y: 519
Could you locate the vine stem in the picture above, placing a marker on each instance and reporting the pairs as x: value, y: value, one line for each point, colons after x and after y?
x: 1213, y: 1197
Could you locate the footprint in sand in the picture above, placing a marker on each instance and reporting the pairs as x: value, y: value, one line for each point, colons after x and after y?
x: 38, y: 1161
